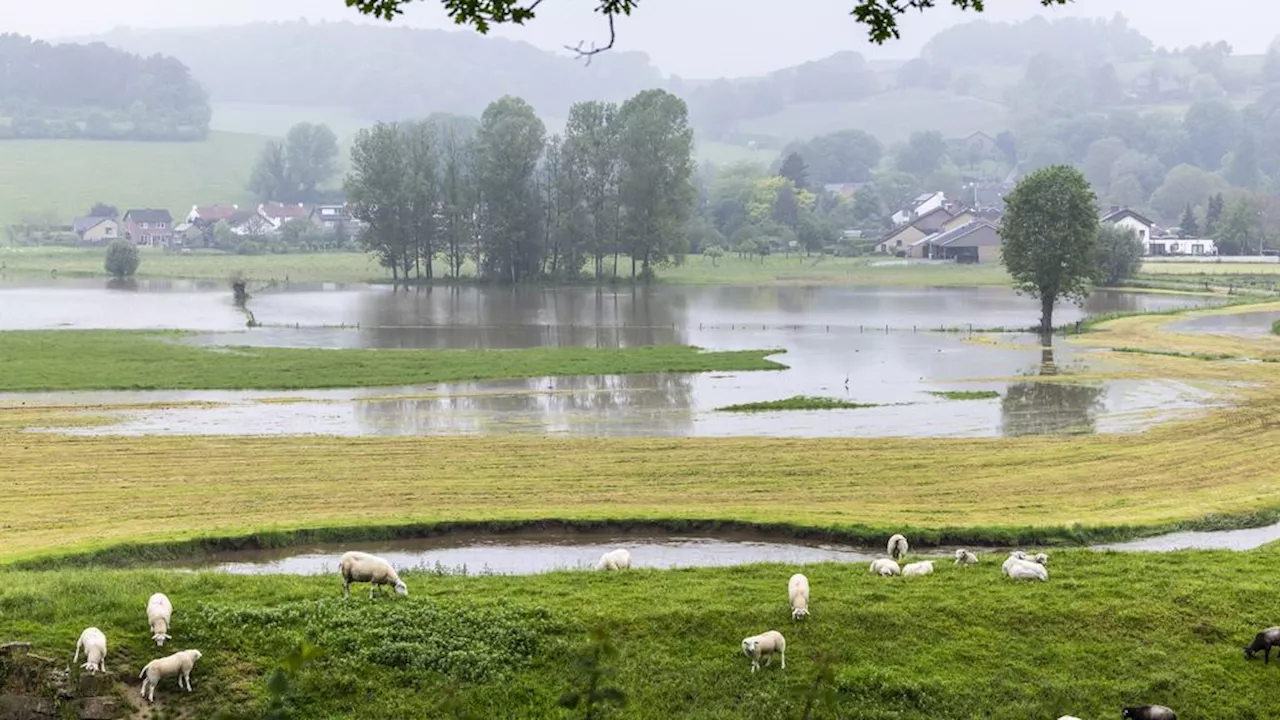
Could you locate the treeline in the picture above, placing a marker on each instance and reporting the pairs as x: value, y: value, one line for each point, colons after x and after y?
x: 93, y: 91
x: 614, y: 189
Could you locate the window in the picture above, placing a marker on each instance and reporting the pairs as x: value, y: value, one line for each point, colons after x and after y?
x: 145, y: 239
x: 108, y: 230
x: 1197, y: 249
x: 1142, y: 234
x: 142, y: 225
x: 160, y: 226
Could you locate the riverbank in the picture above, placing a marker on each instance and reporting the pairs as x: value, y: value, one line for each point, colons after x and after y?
x: 505, y: 647
x: 127, y: 360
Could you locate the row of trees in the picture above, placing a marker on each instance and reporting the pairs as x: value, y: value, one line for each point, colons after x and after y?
x: 293, y: 170
x: 519, y: 205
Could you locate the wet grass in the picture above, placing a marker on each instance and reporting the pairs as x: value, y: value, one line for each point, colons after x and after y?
x: 125, y: 360
x: 1174, y: 353
x: 1275, y: 328
x: 958, y: 644
x: 796, y: 402
x: 965, y: 394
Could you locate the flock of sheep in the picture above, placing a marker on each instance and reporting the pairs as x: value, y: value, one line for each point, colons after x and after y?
x: 159, y: 614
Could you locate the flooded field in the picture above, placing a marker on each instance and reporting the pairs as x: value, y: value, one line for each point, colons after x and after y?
x: 1250, y: 324
x: 877, y: 346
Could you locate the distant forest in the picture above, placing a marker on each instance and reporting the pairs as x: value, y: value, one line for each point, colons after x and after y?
x: 95, y: 91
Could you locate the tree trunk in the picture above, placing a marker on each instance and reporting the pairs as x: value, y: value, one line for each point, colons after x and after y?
x: 1046, y: 314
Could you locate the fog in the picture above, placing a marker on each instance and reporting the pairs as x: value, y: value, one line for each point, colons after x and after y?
x: 690, y: 38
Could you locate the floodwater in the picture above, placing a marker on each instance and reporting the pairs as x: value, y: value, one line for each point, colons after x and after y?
x: 1250, y: 324
x: 867, y: 345
x: 531, y: 552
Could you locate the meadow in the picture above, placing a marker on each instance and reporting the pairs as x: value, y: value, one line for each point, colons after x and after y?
x: 126, y: 360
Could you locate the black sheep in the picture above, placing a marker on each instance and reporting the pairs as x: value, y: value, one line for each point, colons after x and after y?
x: 1148, y: 712
x: 1263, y: 641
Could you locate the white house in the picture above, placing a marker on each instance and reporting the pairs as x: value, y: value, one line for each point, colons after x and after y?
x: 1183, y: 246
x: 919, y: 206
x: 1131, y: 219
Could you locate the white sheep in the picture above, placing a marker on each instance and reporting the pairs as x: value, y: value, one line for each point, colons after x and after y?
x: 798, y: 592
x: 1040, y: 559
x: 179, y: 663
x: 765, y: 644
x: 1027, y: 570
x: 1068, y: 717
x: 95, y: 650
x: 618, y: 559
x: 1014, y: 557
x: 159, y: 617
x: 924, y: 567
x: 885, y: 567
x: 898, y: 547
x: 363, y: 567
x: 964, y: 557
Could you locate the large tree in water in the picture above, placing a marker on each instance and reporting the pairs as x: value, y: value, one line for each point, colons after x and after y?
x: 1049, y: 237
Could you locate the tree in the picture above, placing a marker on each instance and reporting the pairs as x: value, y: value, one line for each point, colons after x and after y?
x: 374, y: 188
x: 1188, y: 227
x: 1049, y: 236
x: 101, y: 209
x: 311, y: 158
x: 122, y: 258
x: 1213, y: 127
x: 270, y: 177
x: 1184, y: 184
x: 1242, y: 164
x: 1099, y: 161
x: 840, y: 157
x: 923, y: 153
x: 591, y: 133
x: 1213, y: 214
x: 1240, y: 231
x: 715, y: 252
x: 508, y: 145
x: 1008, y: 146
x: 1119, y: 254
x: 794, y: 169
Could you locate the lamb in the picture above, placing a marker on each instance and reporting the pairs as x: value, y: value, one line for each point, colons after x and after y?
x: 1149, y: 712
x: 179, y: 663
x: 614, y: 560
x: 765, y: 644
x: 363, y: 567
x: 798, y: 592
x: 885, y: 567
x: 898, y: 547
x: 964, y: 557
x: 159, y: 616
x: 924, y: 567
x: 1026, y: 570
x: 1264, y: 641
x: 95, y: 650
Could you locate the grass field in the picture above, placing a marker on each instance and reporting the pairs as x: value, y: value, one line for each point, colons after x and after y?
x: 797, y: 402
x: 122, y: 360
x: 1106, y: 631
x: 890, y: 116
x: 825, y: 269
x: 66, y: 177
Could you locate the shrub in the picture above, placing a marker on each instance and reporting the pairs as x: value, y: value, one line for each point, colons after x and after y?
x: 122, y: 258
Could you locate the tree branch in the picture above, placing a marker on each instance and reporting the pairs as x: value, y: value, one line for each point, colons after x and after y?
x: 593, y: 51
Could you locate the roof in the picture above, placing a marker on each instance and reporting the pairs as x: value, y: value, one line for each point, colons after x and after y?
x: 956, y: 236
x: 148, y: 215
x: 933, y: 219
x: 240, y: 217
x: 214, y: 213
x: 284, y: 212
x: 1118, y: 214
x: 85, y: 224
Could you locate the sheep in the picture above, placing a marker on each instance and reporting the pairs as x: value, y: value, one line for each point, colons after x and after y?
x: 95, y: 650
x: 159, y: 616
x: 614, y: 560
x: 1148, y: 712
x: 179, y: 663
x: 885, y: 567
x: 1040, y: 559
x: 1025, y: 570
x: 925, y: 567
x: 798, y: 592
x: 363, y: 567
x: 1263, y: 641
x: 898, y: 547
x: 964, y: 557
x: 1014, y: 557
x: 1068, y: 717
x: 765, y: 644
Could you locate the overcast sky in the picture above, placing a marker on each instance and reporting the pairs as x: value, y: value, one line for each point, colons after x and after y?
x: 692, y: 38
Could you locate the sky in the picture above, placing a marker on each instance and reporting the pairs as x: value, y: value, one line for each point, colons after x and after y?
x: 690, y: 38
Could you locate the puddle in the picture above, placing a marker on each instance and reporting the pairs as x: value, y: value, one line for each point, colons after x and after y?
x: 1246, y: 539
x: 1249, y: 324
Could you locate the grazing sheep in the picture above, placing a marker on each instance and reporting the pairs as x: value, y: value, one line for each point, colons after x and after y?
x: 765, y: 644
x: 1263, y: 641
x: 798, y: 591
x: 179, y: 663
x: 614, y: 560
x: 924, y: 567
x: 159, y: 616
x: 1025, y: 570
x: 1068, y: 717
x: 95, y: 650
x: 885, y: 567
x: 964, y: 557
x: 1149, y: 712
x: 363, y: 567
x: 898, y: 547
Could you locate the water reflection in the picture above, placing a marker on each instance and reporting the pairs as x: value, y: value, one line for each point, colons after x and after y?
x: 1050, y: 407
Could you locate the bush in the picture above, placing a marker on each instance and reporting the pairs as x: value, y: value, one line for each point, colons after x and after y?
x: 122, y: 258
x: 1119, y: 255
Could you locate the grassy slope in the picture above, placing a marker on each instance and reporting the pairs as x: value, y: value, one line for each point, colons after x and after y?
x: 275, y: 120
x: 68, y: 176
x: 54, y: 360
x: 1106, y: 631
x: 891, y: 116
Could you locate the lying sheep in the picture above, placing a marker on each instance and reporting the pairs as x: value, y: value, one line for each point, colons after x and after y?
x: 898, y: 547
x: 1068, y: 717
x: 765, y: 644
x: 1027, y: 570
x: 614, y: 560
x: 1040, y: 559
x: 1148, y: 712
x: 1014, y: 557
x: 1263, y: 641
x: 159, y: 616
x: 95, y: 650
x: 179, y: 663
x: 964, y: 557
x: 885, y: 567
x: 798, y: 592
x: 924, y: 567
x: 363, y: 567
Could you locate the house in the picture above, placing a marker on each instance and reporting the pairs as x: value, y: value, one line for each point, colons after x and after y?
x: 333, y: 217
x: 210, y: 214
x: 277, y: 214
x: 1131, y: 219
x: 148, y: 227
x: 96, y: 230
x: 1182, y: 246
x: 977, y: 241
x: 248, y: 223
x: 901, y: 239
x: 958, y: 218
x: 974, y: 148
x: 919, y: 205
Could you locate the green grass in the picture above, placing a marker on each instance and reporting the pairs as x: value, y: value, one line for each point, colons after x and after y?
x: 275, y: 120
x: 957, y: 644
x: 65, y: 177
x: 796, y: 402
x: 123, y: 360
x: 965, y: 394
x: 200, y: 265
x: 1275, y: 328
x: 825, y: 269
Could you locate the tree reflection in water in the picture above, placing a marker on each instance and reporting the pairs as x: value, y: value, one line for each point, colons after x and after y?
x: 1039, y: 407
